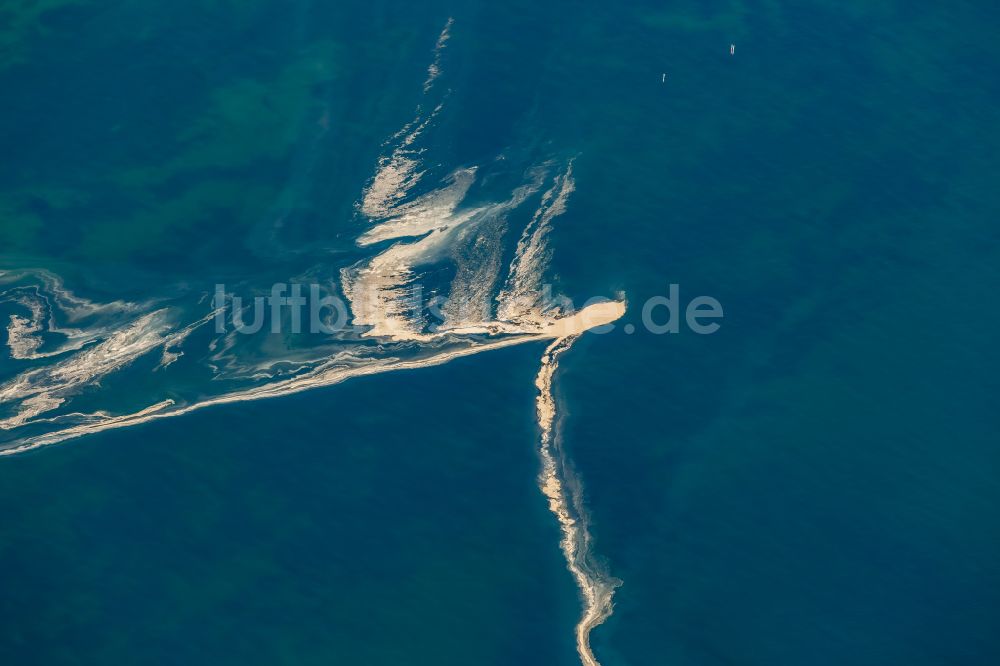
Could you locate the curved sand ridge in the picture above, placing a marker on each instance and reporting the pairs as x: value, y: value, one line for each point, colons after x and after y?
x: 563, y: 490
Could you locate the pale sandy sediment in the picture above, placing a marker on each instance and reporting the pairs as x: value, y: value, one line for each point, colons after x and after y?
x: 324, y: 375
x: 563, y: 491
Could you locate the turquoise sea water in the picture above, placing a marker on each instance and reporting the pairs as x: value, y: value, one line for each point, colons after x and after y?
x: 813, y: 484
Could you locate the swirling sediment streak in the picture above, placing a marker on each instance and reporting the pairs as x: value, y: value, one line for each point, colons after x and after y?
x: 332, y: 372
x: 565, y: 498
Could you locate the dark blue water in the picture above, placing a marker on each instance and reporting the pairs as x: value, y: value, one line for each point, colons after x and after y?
x: 813, y: 484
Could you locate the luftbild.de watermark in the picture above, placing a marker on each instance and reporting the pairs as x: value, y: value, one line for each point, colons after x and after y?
x: 298, y: 308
